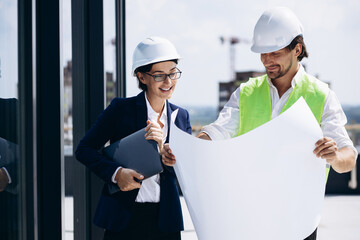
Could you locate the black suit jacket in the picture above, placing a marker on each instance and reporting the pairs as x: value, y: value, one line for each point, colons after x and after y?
x: 123, y: 117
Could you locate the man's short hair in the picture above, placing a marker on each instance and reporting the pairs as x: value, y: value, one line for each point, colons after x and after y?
x: 292, y: 45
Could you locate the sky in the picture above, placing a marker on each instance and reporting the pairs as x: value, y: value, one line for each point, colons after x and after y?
x: 8, y: 49
x: 331, y: 34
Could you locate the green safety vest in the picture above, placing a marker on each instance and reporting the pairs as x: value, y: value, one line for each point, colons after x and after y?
x: 255, y: 101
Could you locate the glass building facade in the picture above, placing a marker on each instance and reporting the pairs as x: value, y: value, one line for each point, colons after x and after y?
x: 53, y: 84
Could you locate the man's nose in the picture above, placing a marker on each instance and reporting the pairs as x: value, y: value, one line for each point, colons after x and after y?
x: 265, y: 58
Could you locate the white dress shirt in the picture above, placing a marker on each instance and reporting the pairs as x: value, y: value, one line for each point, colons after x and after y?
x: 150, y: 187
x: 332, y: 122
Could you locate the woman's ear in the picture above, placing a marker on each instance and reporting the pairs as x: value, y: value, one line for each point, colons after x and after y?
x: 141, y: 78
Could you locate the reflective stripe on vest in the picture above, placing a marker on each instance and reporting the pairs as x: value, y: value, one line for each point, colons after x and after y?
x: 255, y: 101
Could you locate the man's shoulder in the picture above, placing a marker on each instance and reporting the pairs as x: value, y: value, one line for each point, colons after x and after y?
x: 317, y: 82
x: 252, y: 84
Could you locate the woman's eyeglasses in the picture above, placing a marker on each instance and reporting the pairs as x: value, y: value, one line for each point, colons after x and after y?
x: 162, y: 77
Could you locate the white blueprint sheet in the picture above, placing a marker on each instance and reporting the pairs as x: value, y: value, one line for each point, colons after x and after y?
x: 266, y: 184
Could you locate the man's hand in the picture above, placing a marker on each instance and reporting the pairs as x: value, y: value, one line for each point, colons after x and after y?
x: 342, y: 160
x: 125, y: 179
x: 326, y: 148
x: 4, y: 179
x: 204, y: 136
x: 167, y: 157
x: 154, y: 132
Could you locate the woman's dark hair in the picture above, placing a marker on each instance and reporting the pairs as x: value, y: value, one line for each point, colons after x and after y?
x: 147, y: 68
x: 292, y: 45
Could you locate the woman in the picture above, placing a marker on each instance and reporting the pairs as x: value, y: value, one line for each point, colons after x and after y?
x: 150, y: 210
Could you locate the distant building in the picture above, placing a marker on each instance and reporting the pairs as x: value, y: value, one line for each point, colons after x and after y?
x: 227, y: 88
x: 110, y: 88
x: 68, y: 96
x: 68, y: 134
x: 68, y: 89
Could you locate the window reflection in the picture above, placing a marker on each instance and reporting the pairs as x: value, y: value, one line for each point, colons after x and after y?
x: 67, y: 71
x: 109, y: 51
x: 8, y: 168
x: 68, y: 117
x: 9, y: 178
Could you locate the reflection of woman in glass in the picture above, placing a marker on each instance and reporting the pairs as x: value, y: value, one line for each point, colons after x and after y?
x: 150, y: 210
x: 8, y: 169
x: 8, y: 136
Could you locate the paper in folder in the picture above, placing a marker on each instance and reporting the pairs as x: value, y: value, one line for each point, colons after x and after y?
x: 137, y: 153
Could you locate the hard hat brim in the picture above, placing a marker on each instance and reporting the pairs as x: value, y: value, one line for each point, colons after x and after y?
x: 155, y: 60
x: 269, y: 49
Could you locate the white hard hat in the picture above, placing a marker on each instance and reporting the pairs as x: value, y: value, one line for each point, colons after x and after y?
x: 275, y: 29
x: 152, y: 50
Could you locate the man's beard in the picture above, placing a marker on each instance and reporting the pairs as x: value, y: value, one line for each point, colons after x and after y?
x: 279, y: 74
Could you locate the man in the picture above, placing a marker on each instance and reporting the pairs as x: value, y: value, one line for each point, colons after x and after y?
x: 278, y: 37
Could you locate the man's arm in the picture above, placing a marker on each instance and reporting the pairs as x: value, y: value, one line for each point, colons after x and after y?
x: 336, y: 147
x: 203, y: 135
x: 342, y: 160
x: 227, y: 124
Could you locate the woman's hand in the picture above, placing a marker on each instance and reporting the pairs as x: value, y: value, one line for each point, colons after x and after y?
x: 4, y: 180
x: 125, y: 179
x: 154, y: 132
x: 167, y: 157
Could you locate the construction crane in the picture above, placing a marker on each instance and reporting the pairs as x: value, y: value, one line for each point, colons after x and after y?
x: 233, y: 41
